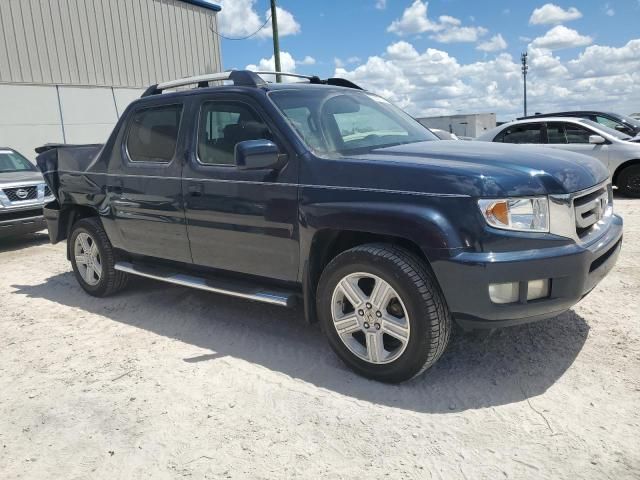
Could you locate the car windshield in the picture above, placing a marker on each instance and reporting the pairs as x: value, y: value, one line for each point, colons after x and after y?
x: 336, y: 122
x: 11, y: 161
x: 610, y: 131
x: 635, y: 123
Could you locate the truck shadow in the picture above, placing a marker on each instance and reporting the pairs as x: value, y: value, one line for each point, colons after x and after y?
x: 477, y: 370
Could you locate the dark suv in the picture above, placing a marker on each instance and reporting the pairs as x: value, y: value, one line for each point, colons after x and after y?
x: 328, y: 194
x: 622, y: 123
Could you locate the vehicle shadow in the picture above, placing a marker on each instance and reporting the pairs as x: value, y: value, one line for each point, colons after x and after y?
x: 478, y: 370
x: 12, y: 244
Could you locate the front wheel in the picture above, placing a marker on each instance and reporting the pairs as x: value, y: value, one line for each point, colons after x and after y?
x: 383, y: 312
x: 93, y: 259
x: 629, y: 181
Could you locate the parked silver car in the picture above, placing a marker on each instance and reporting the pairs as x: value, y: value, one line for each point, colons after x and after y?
x: 22, y: 195
x: 619, y: 152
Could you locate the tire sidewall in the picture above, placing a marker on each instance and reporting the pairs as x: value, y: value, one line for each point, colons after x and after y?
x: 623, y: 178
x: 87, y: 227
x: 417, y: 350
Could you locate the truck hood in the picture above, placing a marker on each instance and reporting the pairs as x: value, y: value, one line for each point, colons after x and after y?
x: 489, y: 169
x: 19, y: 177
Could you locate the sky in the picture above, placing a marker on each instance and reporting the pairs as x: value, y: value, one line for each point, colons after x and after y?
x: 444, y: 57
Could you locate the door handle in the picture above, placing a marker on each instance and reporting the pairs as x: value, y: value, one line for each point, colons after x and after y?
x: 195, y: 190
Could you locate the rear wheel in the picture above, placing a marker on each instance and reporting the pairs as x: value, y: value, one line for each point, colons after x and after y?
x: 383, y: 312
x: 93, y: 259
x: 628, y: 181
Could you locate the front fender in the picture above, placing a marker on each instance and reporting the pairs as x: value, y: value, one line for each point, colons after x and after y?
x: 428, y: 226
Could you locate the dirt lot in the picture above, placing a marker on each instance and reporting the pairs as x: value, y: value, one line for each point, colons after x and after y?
x: 165, y: 382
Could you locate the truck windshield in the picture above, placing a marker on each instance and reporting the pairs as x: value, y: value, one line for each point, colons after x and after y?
x: 340, y: 122
x: 11, y: 161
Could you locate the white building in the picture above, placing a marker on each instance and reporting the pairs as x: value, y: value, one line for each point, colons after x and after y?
x: 68, y: 68
x: 470, y: 125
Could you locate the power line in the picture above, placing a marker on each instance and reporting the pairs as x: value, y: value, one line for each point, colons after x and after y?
x: 245, y: 37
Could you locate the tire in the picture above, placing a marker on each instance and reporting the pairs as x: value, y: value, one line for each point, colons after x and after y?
x: 109, y: 280
x: 414, y: 309
x: 628, y: 181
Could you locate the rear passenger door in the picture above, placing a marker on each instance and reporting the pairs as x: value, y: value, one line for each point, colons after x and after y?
x: 145, y: 184
x: 239, y: 220
x: 575, y: 138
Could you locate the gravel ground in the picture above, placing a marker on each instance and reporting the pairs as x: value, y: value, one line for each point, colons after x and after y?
x: 166, y: 382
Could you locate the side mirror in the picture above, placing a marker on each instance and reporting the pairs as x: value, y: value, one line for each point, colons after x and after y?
x: 596, y: 139
x: 256, y: 155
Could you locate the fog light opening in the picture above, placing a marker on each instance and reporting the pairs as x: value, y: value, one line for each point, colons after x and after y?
x: 504, y: 292
x: 537, y: 289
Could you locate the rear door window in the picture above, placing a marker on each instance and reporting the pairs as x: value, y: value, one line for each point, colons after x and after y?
x: 556, y: 133
x: 524, y: 133
x: 153, y: 134
x: 576, y: 133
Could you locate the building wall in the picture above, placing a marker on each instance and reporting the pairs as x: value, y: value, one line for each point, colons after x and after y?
x: 119, y: 43
x: 69, y: 68
x: 39, y: 114
x: 470, y: 125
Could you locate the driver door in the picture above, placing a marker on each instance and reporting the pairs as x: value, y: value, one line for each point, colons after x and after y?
x: 239, y: 220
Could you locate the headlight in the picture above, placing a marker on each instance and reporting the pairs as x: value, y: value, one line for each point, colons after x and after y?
x: 520, y: 214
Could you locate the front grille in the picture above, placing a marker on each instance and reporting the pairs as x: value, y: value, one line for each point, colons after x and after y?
x: 589, y: 210
x: 20, y: 194
x: 47, y: 191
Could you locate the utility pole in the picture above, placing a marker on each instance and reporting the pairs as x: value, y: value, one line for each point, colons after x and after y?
x: 525, y: 69
x: 276, y: 42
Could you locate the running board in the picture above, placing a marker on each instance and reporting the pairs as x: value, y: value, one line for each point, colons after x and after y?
x: 233, y: 288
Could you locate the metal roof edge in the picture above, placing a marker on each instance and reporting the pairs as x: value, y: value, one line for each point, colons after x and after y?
x: 204, y: 4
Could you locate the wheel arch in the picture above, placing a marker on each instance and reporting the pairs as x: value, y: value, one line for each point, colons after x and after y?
x: 328, y: 243
x: 68, y: 217
x: 622, y: 166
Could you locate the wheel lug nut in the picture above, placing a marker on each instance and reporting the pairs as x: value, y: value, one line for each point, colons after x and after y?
x: 366, y: 325
x: 368, y: 305
x: 361, y: 312
x: 378, y: 314
x: 377, y: 325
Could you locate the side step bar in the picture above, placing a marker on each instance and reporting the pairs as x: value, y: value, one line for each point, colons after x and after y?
x: 233, y: 288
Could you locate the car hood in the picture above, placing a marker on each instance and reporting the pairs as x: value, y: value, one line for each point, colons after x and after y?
x: 18, y: 177
x: 487, y: 169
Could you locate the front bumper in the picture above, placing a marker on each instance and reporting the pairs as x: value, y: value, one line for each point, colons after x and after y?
x: 573, y: 270
x: 14, y: 223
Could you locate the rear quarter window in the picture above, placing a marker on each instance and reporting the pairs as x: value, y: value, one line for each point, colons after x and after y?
x: 153, y: 134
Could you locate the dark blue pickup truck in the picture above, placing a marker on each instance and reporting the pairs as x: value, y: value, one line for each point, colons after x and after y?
x: 321, y: 192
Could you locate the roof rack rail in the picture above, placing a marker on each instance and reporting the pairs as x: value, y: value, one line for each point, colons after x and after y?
x: 246, y: 78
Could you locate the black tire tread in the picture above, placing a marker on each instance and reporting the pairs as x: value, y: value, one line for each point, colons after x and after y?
x: 621, y: 181
x: 115, y: 279
x: 427, y: 287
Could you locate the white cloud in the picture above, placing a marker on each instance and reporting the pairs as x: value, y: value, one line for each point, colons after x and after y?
x: 608, y: 10
x: 287, y: 24
x: 495, y: 44
x: 447, y: 29
x: 239, y: 18
x: 414, y: 20
x: 381, y: 4
x: 459, y: 34
x: 287, y: 64
x: 551, y: 14
x: 432, y: 82
x: 561, y: 37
